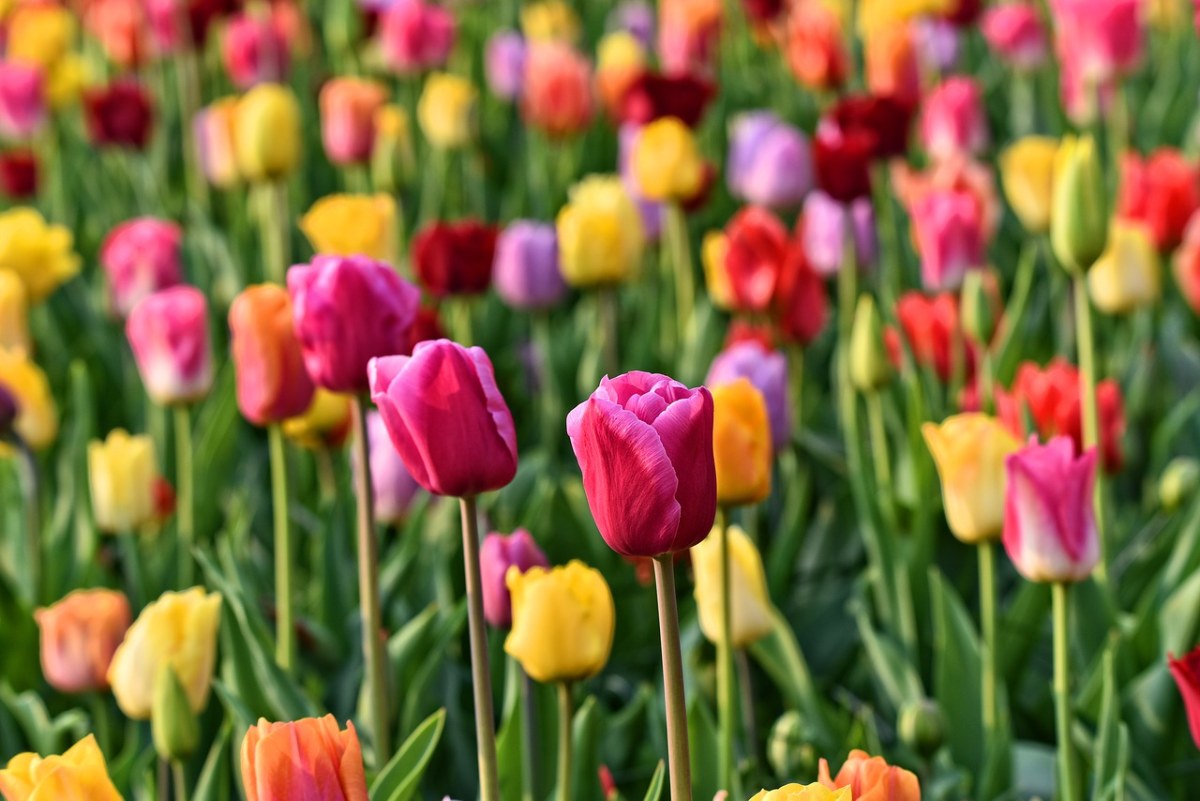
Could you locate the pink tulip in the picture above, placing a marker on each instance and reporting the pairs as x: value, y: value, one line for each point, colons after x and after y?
x: 447, y: 418
x: 348, y: 310
x: 949, y: 236
x: 644, y: 444
x: 416, y: 36
x: 168, y: 332
x: 348, y: 107
x: 1016, y: 33
x: 1100, y: 39
x: 22, y: 102
x: 141, y: 257
x: 255, y: 51
x: 1049, y: 516
x: 213, y: 129
x: 497, y: 554
x: 953, y: 122
x: 79, y: 636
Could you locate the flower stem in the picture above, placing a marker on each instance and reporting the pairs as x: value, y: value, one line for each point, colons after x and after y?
x: 1015, y: 308
x: 275, y: 231
x: 564, y: 741
x: 529, y: 731
x: 368, y: 588
x: 481, y: 677
x: 543, y: 338
x: 31, y: 491
x: 187, y: 73
x: 606, y: 320
x: 177, y: 770
x: 681, y: 260
x: 987, y: 615
x: 1062, y: 695
x: 1087, y: 390
x: 880, y: 455
x: 185, y: 494
x: 725, y: 678
x: 285, y: 636
x: 678, y: 759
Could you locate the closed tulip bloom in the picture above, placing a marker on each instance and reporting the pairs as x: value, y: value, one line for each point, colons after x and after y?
x: 353, y: 225
x: 452, y: 259
x: 168, y: 332
x: 1049, y: 515
x: 119, y: 115
x: 600, y: 234
x: 843, y: 160
x: 1107, y: 36
x: 123, y: 475
x: 749, y: 600
x: 22, y: 100
x: 620, y: 60
x: 272, y: 384
x: 1162, y: 192
x: 446, y: 111
x: 1127, y: 275
x: 526, y: 270
x: 767, y: 370
x: 652, y: 96
x: 563, y: 621
x: 1015, y: 32
x: 953, y: 121
x: 741, y: 443
x: 179, y: 631
x: 392, y: 487
x: 416, y: 36
x: 804, y: 792
x: 645, y: 445
x: 40, y: 255
x: 769, y: 161
x: 255, y: 51
x: 1186, y: 672
x: 688, y: 32
x: 447, y: 418
x: 19, y: 174
x: 324, y: 425
x: 949, y: 237
x: 815, y: 46
x: 79, y: 636
x: 872, y: 779
x: 556, y: 96
x: 14, y: 313
x: 79, y: 773
x: 308, y: 758
x: 757, y: 248
x: 267, y: 133
x: 666, y: 161
x: 213, y: 130
x: 348, y: 107
x: 826, y: 224
x: 800, y: 307
x: 1186, y: 264
x: 969, y: 451
x: 714, y: 250
x: 870, y: 367
x: 1078, y: 223
x: 549, y: 21
x: 930, y: 326
x: 141, y: 257
x: 497, y: 555
x: 1027, y: 172
x: 504, y: 57
x: 348, y: 310
x: 938, y: 41
x: 37, y: 415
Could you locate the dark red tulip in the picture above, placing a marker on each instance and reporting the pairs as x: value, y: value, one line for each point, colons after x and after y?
x: 801, y: 307
x: 888, y: 118
x: 843, y: 162
x: 762, y: 10
x: 119, y: 115
x: 455, y: 258
x: 965, y: 13
x: 652, y: 95
x: 18, y: 174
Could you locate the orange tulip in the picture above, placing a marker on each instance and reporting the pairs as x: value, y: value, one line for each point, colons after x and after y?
x: 872, y: 779
x: 80, y: 633
x: 891, y: 64
x: 814, y: 46
x: 308, y: 758
x: 272, y: 384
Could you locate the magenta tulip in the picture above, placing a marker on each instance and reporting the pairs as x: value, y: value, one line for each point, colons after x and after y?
x: 416, y: 36
x: 953, y: 121
x: 141, y: 257
x: 22, y: 101
x: 1016, y: 33
x: 168, y: 332
x: 496, y: 556
x: 949, y: 235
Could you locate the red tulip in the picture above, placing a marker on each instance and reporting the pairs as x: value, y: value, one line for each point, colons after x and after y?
x: 757, y: 247
x: 930, y: 324
x: 843, y: 161
x: 1161, y: 192
x: 888, y: 118
x: 1187, y: 264
x: 815, y: 46
x: 762, y: 10
x: 1186, y: 672
x: 556, y: 96
x: 800, y: 306
x: 455, y: 258
x: 18, y: 174
x: 651, y: 96
x: 120, y: 115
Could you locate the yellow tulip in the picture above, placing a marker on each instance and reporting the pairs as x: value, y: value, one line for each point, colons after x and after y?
x: 79, y: 773
x: 324, y: 425
x: 37, y: 416
x: 749, y: 602
x: 266, y: 133
x: 1078, y: 223
x: 122, y: 472
x: 446, y: 111
x: 549, y: 21
x: 1166, y: 14
x: 563, y: 620
x: 713, y: 251
x: 1027, y: 173
x: 666, y: 161
x: 392, y: 158
x: 349, y: 225
x: 37, y: 253
x: 1127, y: 275
x: 969, y: 450
x: 805, y: 792
x: 619, y: 50
x: 14, y: 302
x: 41, y: 35
x: 741, y: 443
x: 600, y: 234
x: 178, y: 630
x: 876, y: 15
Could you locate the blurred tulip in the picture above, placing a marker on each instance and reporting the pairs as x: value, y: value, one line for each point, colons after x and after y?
x: 175, y: 24
x: 272, y: 384
x: 800, y: 307
x: 393, y: 488
x: 652, y: 96
x: 886, y: 118
x: 1162, y: 192
x: 255, y: 51
x: 870, y: 369
x: 168, y: 332
x: 767, y: 370
x: 600, y: 235
x: 140, y: 257
x: 872, y: 779
x: 14, y: 313
x: 446, y: 111
x: 348, y: 108
x: 79, y: 635
x: 688, y: 31
x: 1186, y: 264
x: 1015, y: 32
x: 353, y: 225
x: 178, y: 630
x: 1186, y: 672
x: 22, y: 100
x: 893, y: 67
x: 118, y: 26
x: 804, y: 792
x: 751, y: 612
x: 825, y: 229
x: 969, y: 451
x: 1084, y: 100
x: 652, y: 212
x: 953, y: 175
x: 39, y: 254
x: 42, y: 35
x: 267, y: 141
x: 1127, y: 275
x: 549, y: 21
x: 620, y: 60
x: 308, y: 758
x: 556, y: 96
x: 949, y: 238
x: 741, y: 443
x: 562, y: 621
x: 874, y: 15
x: 497, y: 555
x: 635, y: 17
x: 667, y: 163
x: 953, y: 120
x: 769, y: 161
x: 18, y: 174
x: 1027, y: 171
x: 1078, y: 224
x: 526, y: 270
x: 1178, y: 483
x: 930, y: 325
x: 504, y: 57
x: 843, y: 160
x: 714, y: 253
x: 447, y: 418
x: 79, y: 773
x: 644, y: 444
x: 119, y: 115
x: 213, y: 128
x: 417, y: 36
x: 324, y: 425
x: 1106, y: 37
x: 24, y: 381
x: 348, y: 310
x: 757, y: 246
x: 814, y: 45
x: 122, y: 475
x: 455, y: 258
x: 938, y: 42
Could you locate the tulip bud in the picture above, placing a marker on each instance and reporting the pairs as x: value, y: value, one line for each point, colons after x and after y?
x: 978, y: 316
x: 173, y: 724
x: 267, y: 133
x: 870, y: 368
x: 922, y: 726
x: 788, y: 748
x: 1178, y: 482
x: 1078, y: 221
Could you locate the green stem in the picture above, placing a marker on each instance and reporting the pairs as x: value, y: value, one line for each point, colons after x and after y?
x: 185, y: 493
x: 606, y: 318
x: 1015, y: 308
x: 681, y: 260
x: 551, y: 416
x: 31, y: 493
x: 1087, y: 389
x: 725, y: 699
x: 986, y: 382
x: 481, y: 677
x: 368, y: 588
x: 564, y: 741
x: 275, y: 231
x: 285, y: 632
x: 1067, y: 778
x: 177, y: 770
x: 746, y: 688
x: 877, y: 431
x: 795, y: 355
x: 187, y: 73
x: 678, y: 759
x: 98, y: 703
x: 987, y: 619
x: 529, y: 731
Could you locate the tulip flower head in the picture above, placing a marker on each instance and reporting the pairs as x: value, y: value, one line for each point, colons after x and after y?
x: 119, y: 115
x: 168, y: 332
x: 446, y: 111
x: 526, y: 269
x: 1186, y: 672
x: 1186, y: 264
x: 37, y: 416
x: 1127, y: 275
x: 749, y: 600
x: 1015, y: 32
x: 348, y: 108
x: 871, y: 778
x: 40, y: 255
x: 667, y: 164
x: 416, y: 36
x: 303, y: 758
x: 22, y: 100
x: 870, y: 369
x: 504, y: 56
x: 949, y: 236
x: 353, y: 225
x: 804, y: 792
x: 215, y: 144
x: 272, y: 383
x: 80, y: 772
x: 769, y: 161
x: 600, y: 233
x: 757, y: 246
x: 18, y: 174
x: 1078, y: 221
x: 741, y: 443
x: 324, y: 425
x: 1106, y: 38
x: 826, y: 226
x: 141, y: 257
x: 79, y: 636
x: 653, y: 96
x: 970, y: 451
x: 953, y: 121
x: 123, y: 476
x: 255, y: 50
x: 767, y: 370
x: 452, y: 259
x: 556, y: 93
x: 1027, y: 173
x: 14, y: 313
x: 815, y: 46
x: 497, y: 555
x: 1162, y: 192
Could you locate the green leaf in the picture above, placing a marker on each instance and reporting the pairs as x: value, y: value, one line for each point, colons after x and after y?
x: 586, y: 728
x: 213, y: 782
x: 897, y: 678
x: 702, y: 734
x: 400, y: 778
x: 1107, y: 754
x: 780, y: 656
x: 654, y: 791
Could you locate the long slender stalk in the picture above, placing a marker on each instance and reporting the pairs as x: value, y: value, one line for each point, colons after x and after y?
x: 368, y: 588
x: 481, y: 676
x: 725, y: 699
x: 1015, y: 307
x: 31, y: 492
x: 987, y: 618
x: 746, y: 687
x: 180, y: 775
x: 1091, y: 425
x: 548, y: 394
x: 529, y: 730
x: 877, y: 432
x: 285, y: 632
x: 564, y: 741
x: 276, y: 226
x: 187, y: 73
x: 681, y: 262
x: 1067, y: 778
x: 185, y: 503
x: 678, y: 758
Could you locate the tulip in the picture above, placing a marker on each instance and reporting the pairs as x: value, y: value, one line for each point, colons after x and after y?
x: 687, y: 34
x: 348, y: 107
x: 213, y: 130
x: 140, y: 257
x: 549, y: 21
x: 870, y: 369
x: 751, y: 612
x: 769, y: 162
x: 446, y: 111
x: 636, y: 18
x: 1027, y: 171
x: 117, y: 26
x: 892, y: 63
x: 757, y: 248
x: 497, y: 555
x: 930, y: 326
x: 667, y: 163
x: 825, y: 229
x: 620, y: 61
x: 815, y: 46
x: 970, y: 451
x: 714, y: 253
x: 1107, y: 37
x: 562, y: 621
x: 556, y: 95
x: 653, y: 214
x: 800, y: 307
x: 79, y: 773
x: 267, y: 133
x: 1078, y: 225
x: 41, y: 35
x: 178, y: 630
x: 455, y: 258
x: 173, y: 30
x: 14, y: 313
x: 22, y: 100
x: 324, y: 425
x: 741, y: 443
x: 416, y: 36
x: 272, y: 384
x: 1015, y: 32
x: 123, y: 475
x: 301, y: 759
x: 526, y: 270
x: 18, y: 174
x: 876, y: 14
x: 652, y: 96
x: 644, y: 444
x: 79, y: 635
x: 37, y: 417
x: 39, y: 254
x: 956, y: 175
x: 1161, y: 192
x: 1186, y: 264
x: 353, y: 225
x: 938, y: 41
x: 255, y: 51
x: 504, y: 57
x: 600, y: 234
x: 953, y: 122
x: 767, y: 370
x: 174, y: 727
x: 446, y: 418
x: 949, y: 237
x: 168, y: 332
x: 1186, y: 672
x: 1127, y: 275
x: 872, y: 779
x: 349, y: 310
x: 120, y: 115
x: 1178, y: 482
x: 804, y: 792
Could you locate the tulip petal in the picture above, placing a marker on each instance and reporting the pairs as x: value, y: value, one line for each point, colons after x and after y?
x: 686, y: 431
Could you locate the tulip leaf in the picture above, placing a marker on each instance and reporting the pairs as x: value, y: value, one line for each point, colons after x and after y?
x: 585, y: 742
x: 956, y: 673
x: 400, y: 778
x: 213, y: 782
x: 780, y: 656
x: 1108, y: 760
x: 654, y: 792
x: 702, y: 734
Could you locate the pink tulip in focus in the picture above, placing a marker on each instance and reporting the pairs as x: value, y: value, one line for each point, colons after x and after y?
x: 348, y: 107
x: 497, y: 554
x: 22, y: 103
x: 141, y: 257
x: 1016, y: 33
x: 1099, y: 39
x: 80, y: 634
x: 416, y: 36
x: 953, y: 122
x: 949, y: 237
x: 168, y: 332
x: 255, y: 51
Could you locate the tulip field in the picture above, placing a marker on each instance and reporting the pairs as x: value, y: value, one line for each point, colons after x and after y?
x: 585, y: 400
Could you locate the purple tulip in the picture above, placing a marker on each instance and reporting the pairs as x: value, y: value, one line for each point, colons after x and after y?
x: 938, y: 42
x: 767, y: 370
x: 497, y: 554
x: 824, y: 237
x: 637, y: 19
x: 769, y: 161
x: 526, y: 272
x: 505, y: 59
x: 392, y: 486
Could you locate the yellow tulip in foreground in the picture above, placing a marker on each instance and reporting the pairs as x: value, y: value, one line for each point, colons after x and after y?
x: 37, y: 416
x: 446, y: 111
x: 1027, y: 172
x: 666, y: 161
x: 14, y: 302
x: 805, y: 792
x: 79, y: 774
x: 266, y: 133
x: 600, y: 235
x: 741, y: 443
x: 563, y: 620
x: 122, y: 471
x: 749, y: 601
x: 1127, y: 276
x: 349, y: 225
x: 970, y: 450
x: 179, y: 630
x: 37, y: 253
